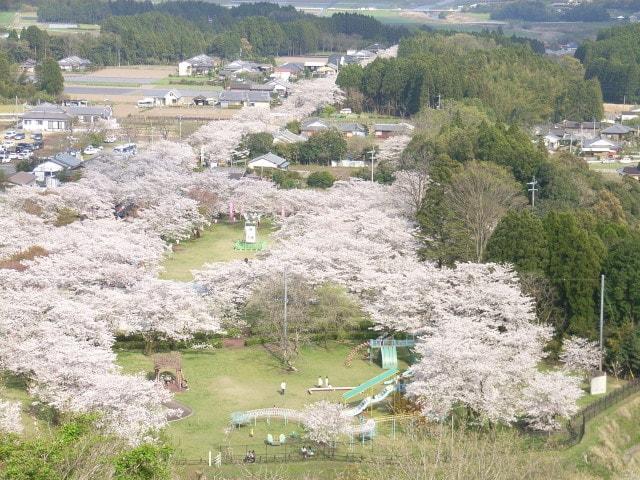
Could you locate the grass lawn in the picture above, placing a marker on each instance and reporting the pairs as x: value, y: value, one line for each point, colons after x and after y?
x: 6, y: 18
x: 215, y: 245
x: 227, y: 380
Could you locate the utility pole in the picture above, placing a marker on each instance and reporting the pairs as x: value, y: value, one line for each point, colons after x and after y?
x: 532, y: 188
x: 373, y: 156
x: 601, y: 319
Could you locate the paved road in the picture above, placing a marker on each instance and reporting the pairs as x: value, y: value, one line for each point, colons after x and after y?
x: 141, y: 92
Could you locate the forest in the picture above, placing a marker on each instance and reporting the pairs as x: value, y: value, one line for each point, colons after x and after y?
x: 613, y: 58
x: 261, y: 30
x: 507, y: 77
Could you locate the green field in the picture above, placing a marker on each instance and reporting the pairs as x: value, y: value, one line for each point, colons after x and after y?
x: 215, y: 245
x: 6, y: 18
x: 222, y: 381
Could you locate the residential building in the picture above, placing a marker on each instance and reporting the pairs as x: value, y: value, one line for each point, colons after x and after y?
x: 551, y: 141
x: 47, y: 172
x: 74, y: 64
x: 201, y: 100
x: 618, y: 132
x: 633, y: 172
x: 386, y: 130
x: 171, y: 97
x: 23, y: 179
x: 600, y: 146
x: 268, y: 160
x: 244, y: 98
x: 352, y: 129
x: 28, y: 66
x: 46, y: 118
x: 238, y: 67
x: 198, y: 65
x: 288, y: 71
x: 286, y: 136
x: 313, y: 126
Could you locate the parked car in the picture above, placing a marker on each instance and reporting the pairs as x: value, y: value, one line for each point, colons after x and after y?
x: 25, y: 155
x: 36, y: 136
x: 9, y: 134
x: 8, y: 143
x: 19, y: 136
x: 13, y: 155
x: 91, y: 150
x: 4, y: 157
x: 37, y: 145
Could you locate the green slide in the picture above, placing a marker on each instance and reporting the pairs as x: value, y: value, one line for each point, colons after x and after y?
x: 369, y: 383
x: 389, y: 356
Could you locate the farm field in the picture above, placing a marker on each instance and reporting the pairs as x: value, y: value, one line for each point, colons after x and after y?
x: 214, y: 245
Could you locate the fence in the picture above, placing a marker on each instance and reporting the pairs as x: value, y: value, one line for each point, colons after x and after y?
x: 577, y: 423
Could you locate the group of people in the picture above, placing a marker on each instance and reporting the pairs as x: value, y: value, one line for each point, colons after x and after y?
x: 306, y: 452
x: 250, y: 457
x: 324, y: 384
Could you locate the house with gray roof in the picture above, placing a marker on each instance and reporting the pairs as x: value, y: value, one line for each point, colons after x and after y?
x: 386, y: 130
x: 268, y: 160
x: 74, y: 64
x: 47, y: 172
x: 352, y: 129
x: 618, y: 132
x: 46, y: 118
x: 198, y: 65
x: 244, y: 98
x: 286, y: 136
x: 22, y: 179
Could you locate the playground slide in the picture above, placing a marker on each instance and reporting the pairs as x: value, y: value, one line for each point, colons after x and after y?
x: 389, y: 356
x: 364, y: 404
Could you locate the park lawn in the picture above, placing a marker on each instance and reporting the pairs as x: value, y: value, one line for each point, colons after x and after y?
x: 222, y: 381
x: 214, y: 245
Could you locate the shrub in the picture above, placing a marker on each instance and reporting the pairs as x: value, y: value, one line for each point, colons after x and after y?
x: 321, y: 179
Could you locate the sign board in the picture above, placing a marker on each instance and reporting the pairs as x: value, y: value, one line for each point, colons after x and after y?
x: 599, y: 384
x: 250, y: 233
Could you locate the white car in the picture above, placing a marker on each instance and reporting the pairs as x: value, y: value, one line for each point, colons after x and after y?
x: 91, y: 150
x: 8, y: 143
x: 10, y: 134
x: 13, y: 156
x: 25, y: 155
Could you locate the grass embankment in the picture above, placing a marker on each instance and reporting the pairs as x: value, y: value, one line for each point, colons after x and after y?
x: 214, y: 245
x: 226, y: 380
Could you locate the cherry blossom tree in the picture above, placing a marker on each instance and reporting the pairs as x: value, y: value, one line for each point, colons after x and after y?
x: 325, y: 422
x: 580, y: 355
x: 10, y: 420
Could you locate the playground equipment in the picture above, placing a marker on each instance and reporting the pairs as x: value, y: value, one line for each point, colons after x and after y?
x: 369, y: 383
x: 326, y: 389
x: 389, y: 349
x: 368, y: 401
x: 251, y: 416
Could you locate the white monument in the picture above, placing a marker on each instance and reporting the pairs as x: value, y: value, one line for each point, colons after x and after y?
x: 251, y: 220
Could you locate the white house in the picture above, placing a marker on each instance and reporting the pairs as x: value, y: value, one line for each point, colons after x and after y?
x: 551, y: 141
x: 198, y: 65
x: 599, y: 146
x: 171, y: 97
x: 46, y: 118
x: 48, y: 171
x: 74, y: 64
x: 268, y: 160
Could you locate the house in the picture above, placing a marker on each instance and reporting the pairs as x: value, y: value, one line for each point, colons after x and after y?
x: 74, y: 64
x: 28, y: 66
x: 268, y: 160
x: 287, y: 71
x: 352, y: 129
x: 23, y: 179
x: 171, y: 97
x: 386, y: 130
x: 626, y: 116
x: 337, y: 60
x: 314, y: 65
x: 89, y: 114
x: 599, y: 146
x: 360, y: 54
x: 633, y: 172
x: 201, y: 100
x: 551, y: 141
x: 618, y: 132
x: 244, y: 98
x: 47, y: 172
x: 238, y: 67
x: 198, y: 65
x: 312, y: 126
x: 46, y: 118
x: 285, y: 136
